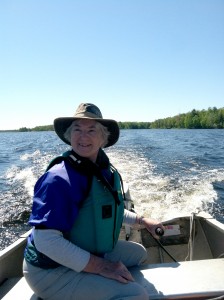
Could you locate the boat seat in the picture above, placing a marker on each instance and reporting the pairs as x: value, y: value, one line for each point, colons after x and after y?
x: 201, y: 279
x: 21, y: 290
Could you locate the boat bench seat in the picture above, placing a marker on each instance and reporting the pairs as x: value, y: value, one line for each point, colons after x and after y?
x: 199, y: 279
x: 21, y: 291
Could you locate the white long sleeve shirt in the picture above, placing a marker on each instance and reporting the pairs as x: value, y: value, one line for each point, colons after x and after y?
x: 52, y: 243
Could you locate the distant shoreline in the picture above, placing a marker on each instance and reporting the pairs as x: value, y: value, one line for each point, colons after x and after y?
x: 213, y: 118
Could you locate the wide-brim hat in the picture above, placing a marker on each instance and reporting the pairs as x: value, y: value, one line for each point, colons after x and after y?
x: 87, y: 111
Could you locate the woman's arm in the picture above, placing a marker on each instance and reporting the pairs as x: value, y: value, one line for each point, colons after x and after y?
x: 52, y: 243
x: 132, y: 219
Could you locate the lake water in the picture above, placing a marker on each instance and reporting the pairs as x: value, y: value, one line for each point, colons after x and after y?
x: 169, y: 172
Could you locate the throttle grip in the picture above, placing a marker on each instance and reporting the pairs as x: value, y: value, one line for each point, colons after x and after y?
x: 159, y: 231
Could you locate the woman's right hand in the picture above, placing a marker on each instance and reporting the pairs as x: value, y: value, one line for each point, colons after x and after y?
x: 108, y: 269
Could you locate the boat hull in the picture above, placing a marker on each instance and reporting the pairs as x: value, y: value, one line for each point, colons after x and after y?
x: 198, y: 272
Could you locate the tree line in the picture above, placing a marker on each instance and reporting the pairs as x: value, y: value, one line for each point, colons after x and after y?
x: 212, y: 118
x: 205, y: 119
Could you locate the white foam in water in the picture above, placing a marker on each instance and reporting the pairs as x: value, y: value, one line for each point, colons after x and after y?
x: 162, y: 197
x: 26, y: 156
x: 25, y: 176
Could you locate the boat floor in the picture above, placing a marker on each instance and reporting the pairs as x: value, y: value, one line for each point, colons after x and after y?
x: 180, y: 251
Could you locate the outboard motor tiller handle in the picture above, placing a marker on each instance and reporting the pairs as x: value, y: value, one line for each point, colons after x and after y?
x: 159, y: 231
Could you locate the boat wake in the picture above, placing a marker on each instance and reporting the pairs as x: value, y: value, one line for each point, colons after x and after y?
x: 165, y: 196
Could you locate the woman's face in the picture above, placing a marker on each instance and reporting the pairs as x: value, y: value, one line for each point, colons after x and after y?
x: 86, y: 138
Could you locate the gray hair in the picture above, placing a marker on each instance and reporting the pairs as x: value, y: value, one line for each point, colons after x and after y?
x: 104, y: 131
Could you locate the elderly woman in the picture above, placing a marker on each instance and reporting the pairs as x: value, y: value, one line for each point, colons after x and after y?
x: 73, y: 251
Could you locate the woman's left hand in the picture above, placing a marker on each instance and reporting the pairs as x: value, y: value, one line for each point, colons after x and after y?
x: 155, y: 227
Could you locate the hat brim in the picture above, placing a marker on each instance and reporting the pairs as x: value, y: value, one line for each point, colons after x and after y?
x: 61, y: 125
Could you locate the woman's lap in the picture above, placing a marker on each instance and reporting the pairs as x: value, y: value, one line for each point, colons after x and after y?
x: 63, y: 283
x: 130, y: 253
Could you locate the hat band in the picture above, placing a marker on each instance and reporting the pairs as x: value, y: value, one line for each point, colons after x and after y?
x: 87, y: 115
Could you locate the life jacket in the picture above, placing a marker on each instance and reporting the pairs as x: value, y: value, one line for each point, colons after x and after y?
x: 100, y: 217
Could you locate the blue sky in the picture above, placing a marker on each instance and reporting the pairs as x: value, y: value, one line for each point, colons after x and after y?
x: 137, y: 60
